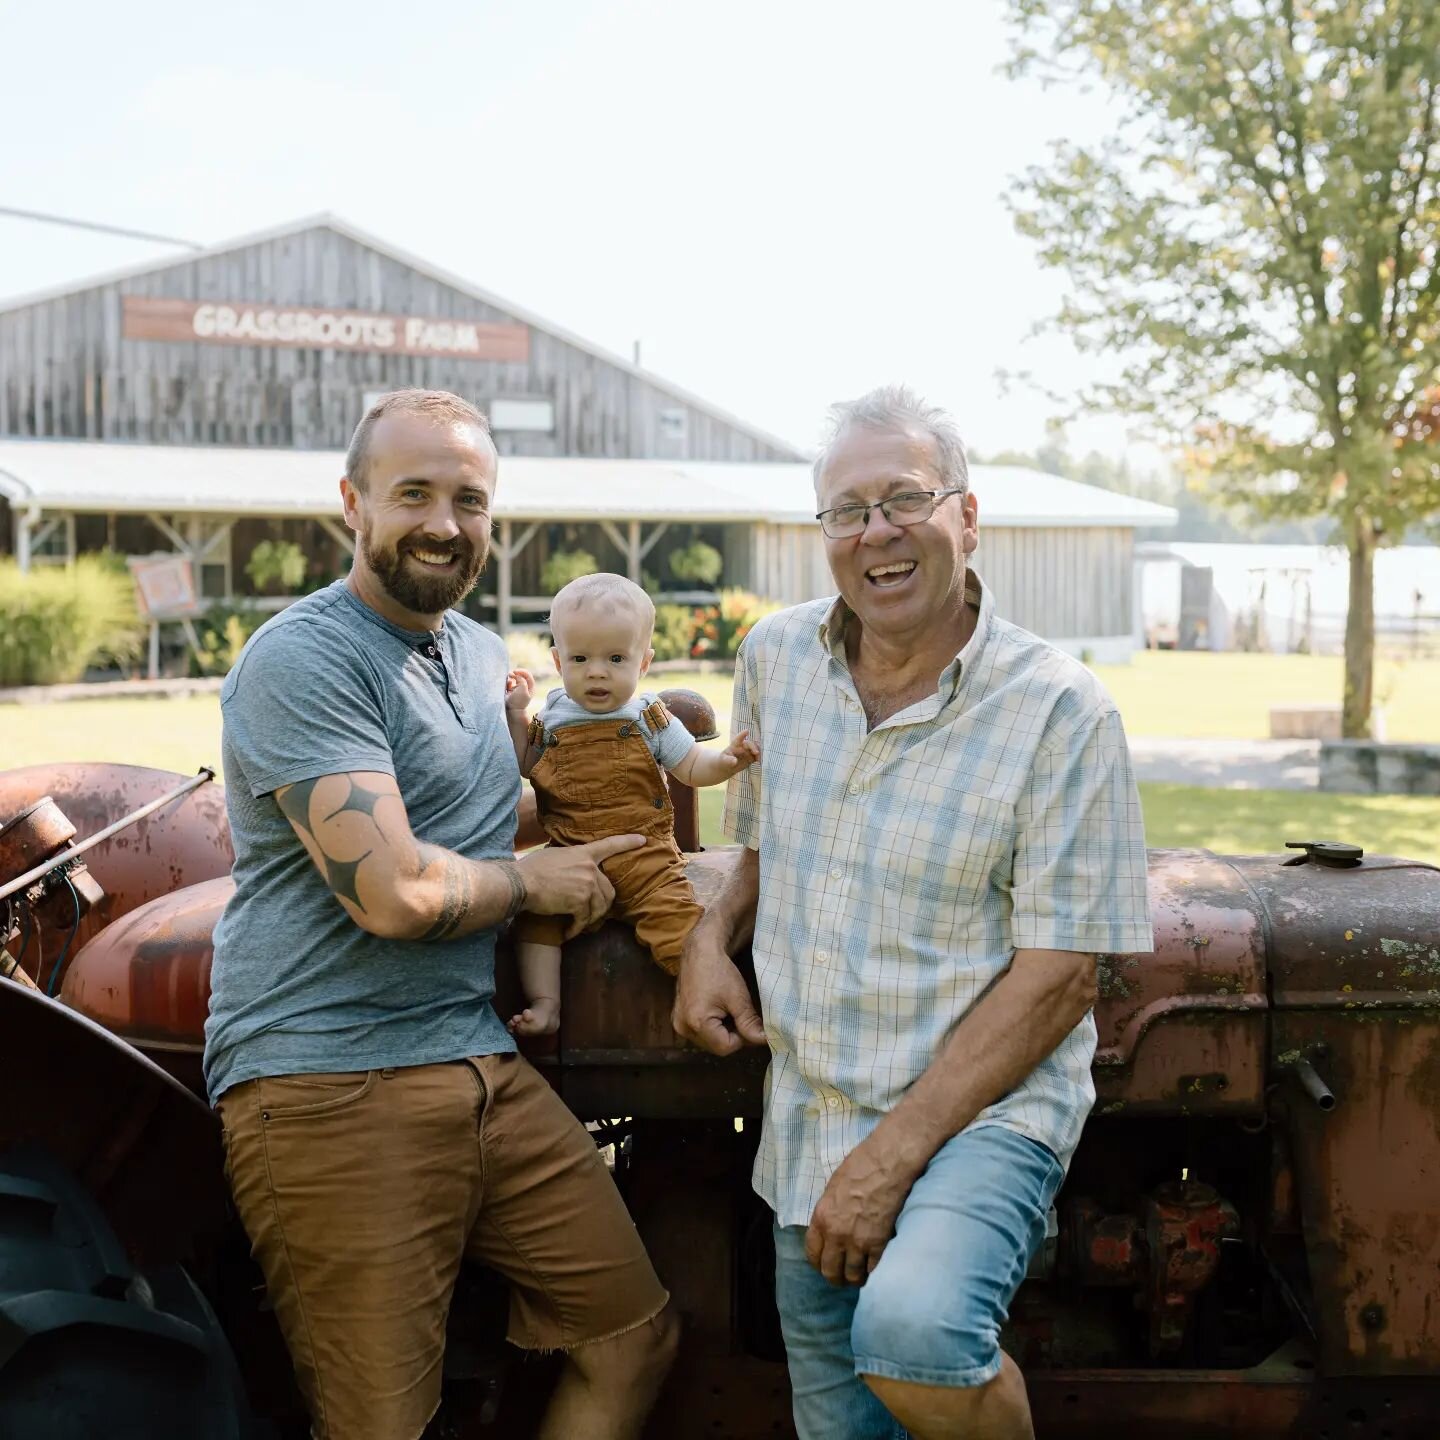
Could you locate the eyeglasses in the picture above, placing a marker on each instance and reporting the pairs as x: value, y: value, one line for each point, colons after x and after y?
x: 911, y: 507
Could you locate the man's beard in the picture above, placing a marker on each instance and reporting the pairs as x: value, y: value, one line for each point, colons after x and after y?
x: 409, y: 585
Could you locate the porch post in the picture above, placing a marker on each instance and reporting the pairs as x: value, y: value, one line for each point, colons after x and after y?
x: 504, y: 579
x: 25, y: 519
x: 632, y: 550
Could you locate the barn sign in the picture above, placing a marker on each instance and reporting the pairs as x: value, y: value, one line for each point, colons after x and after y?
x: 247, y: 322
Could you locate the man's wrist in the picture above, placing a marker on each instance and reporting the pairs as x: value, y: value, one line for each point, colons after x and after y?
x: 519, y: 891
x: 906, y: 1147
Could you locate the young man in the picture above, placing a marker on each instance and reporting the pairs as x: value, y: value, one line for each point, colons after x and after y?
x: 942, y: 835
x: 379, y: 1126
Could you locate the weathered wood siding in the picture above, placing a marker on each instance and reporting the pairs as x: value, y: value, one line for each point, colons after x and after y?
x: 66, y: 371
x: 1060, y: 583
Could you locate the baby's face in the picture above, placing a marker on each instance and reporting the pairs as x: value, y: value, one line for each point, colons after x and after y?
x: 601, y: 657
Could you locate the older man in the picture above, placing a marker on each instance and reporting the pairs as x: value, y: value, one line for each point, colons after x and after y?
x: 942, y: 834
x: 379, y: 1126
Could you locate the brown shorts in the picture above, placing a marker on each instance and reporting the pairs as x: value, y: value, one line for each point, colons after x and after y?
x: 361, y: 1193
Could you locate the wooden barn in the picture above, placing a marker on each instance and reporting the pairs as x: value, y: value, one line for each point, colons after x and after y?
x: 202, y: 404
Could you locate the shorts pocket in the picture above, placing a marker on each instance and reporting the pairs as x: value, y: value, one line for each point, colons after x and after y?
x: 289, y: 1096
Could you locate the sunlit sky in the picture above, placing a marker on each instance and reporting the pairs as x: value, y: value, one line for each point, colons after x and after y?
x: 783, y: 203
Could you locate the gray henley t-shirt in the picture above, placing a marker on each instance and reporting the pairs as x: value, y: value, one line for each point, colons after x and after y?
x: 326, y: 687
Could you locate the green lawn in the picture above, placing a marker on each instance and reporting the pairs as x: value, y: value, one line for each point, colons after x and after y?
x: 1172, y: 693
x: 1248, y: 822
x: 1162, y: 693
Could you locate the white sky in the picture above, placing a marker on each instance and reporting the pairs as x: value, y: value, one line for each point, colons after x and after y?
x: 785, y: 203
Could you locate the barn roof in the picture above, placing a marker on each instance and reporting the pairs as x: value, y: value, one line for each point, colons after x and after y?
x: 110, y: 476
x: 351, y: 232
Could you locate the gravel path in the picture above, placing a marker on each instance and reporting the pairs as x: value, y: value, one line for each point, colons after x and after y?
x: 1229, y: 764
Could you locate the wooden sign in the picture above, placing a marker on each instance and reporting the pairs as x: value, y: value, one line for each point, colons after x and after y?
x: 245, y: 322
x: 164, y: 586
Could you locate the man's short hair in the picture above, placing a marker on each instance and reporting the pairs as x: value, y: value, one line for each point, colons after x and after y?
x: 600, y: 591
x: 438, y: 406
x: 899, y: 408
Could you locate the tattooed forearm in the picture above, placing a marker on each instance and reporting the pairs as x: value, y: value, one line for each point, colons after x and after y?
x: 452, y: 901
x: 463, y: 890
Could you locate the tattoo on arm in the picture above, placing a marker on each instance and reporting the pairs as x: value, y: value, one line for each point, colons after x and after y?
x: 360, y: 800
x: 294, y: 802
x: 340, y: 877
x: 461, y: 892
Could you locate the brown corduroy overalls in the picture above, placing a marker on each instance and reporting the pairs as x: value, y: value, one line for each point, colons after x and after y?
x: 598, y: 779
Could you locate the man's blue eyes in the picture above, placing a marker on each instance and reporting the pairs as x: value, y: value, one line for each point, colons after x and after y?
x: 474, y: 502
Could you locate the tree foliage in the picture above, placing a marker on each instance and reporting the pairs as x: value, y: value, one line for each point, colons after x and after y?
x: 1258, y: 241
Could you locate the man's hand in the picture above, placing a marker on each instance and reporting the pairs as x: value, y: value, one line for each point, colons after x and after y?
x: 567, y: 880
x: 712, y: 1007
x: 855, y: 1218
x: 519, y: 691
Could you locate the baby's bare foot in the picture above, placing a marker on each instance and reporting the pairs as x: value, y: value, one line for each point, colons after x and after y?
x: 541, y: 1018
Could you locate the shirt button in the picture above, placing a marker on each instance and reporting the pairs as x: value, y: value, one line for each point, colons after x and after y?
x: 836, y: 873
x: 821, y: 956
x: 431, y: 651
x: 832, y: 1102
x: 854, y: 789
x: 659, y: 802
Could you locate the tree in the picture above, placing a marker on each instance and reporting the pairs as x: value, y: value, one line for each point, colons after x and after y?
x: 1259, y: 243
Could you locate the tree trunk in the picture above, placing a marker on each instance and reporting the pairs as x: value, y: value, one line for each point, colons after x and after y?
x: 1360, y: 632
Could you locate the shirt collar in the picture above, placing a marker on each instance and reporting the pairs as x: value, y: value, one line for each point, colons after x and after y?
x: 977, y: 594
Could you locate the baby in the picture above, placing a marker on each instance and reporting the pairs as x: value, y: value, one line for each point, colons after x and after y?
x: 594, y: 755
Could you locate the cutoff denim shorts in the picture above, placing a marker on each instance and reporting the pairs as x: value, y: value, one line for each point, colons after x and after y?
x: 931, y: 1311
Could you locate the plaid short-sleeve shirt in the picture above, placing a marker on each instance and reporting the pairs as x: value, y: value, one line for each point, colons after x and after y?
x: 901, y: 867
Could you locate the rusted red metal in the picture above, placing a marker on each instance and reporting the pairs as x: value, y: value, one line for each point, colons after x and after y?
x: 1103, y: 1249
x: 1185, y: 1222
x: 697, y: 715
x: 1182, y: 1030
x: 147, y: 977
x: 1355, y: 980
x: 176, y: 846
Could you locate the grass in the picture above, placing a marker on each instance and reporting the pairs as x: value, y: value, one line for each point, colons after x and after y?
x: 1162, y: 693
x: 1247, y: 822
x: 1173, y: 694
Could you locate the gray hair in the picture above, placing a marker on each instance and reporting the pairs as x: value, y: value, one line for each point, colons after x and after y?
x: 899, y: 408
x: 439, y: 406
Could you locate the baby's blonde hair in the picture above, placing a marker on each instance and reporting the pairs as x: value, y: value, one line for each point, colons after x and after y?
x: 603, y: 589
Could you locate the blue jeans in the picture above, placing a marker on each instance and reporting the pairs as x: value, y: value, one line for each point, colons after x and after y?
x: 932, y: 1309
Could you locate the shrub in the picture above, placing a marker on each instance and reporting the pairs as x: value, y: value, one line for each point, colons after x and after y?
x: 223, y: 631
x: 674, y: 632
x: 697, y: 564
x: 55, y: 623
x: 278, y: 563
x: 563, y: 567
x: 719, y: 629
x: 529, y: 651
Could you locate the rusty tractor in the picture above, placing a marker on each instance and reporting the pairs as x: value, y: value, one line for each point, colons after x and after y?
x: 1248, y: 1243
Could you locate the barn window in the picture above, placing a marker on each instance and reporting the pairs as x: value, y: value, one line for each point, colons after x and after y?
x: 672, y: 424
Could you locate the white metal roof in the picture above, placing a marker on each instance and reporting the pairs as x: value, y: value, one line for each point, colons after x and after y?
x: 106, y: 476
x: 414, y: 262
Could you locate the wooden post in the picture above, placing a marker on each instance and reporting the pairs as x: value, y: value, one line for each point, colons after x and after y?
x: 632, y: 550
x: 504, y: 579
x: 24, y: 523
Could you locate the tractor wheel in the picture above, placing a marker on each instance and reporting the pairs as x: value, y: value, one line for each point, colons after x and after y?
x: 91, y: 1346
